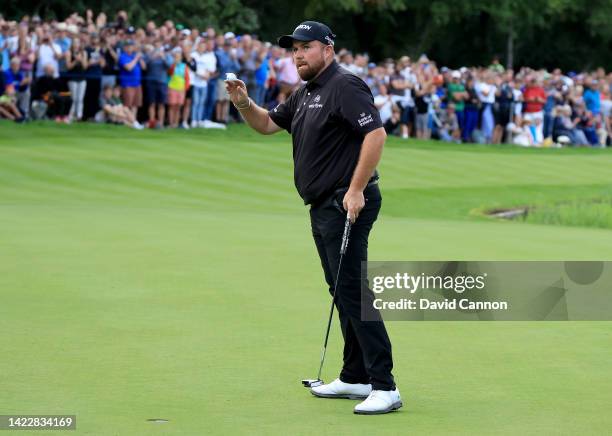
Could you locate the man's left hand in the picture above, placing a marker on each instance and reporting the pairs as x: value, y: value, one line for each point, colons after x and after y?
x: 353, y: 202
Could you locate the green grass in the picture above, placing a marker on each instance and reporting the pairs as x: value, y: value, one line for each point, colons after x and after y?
x: 584, y: 213
x: 172, y: 275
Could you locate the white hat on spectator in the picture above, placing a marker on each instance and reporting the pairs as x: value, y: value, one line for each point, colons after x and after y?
x: 229, y: 35
x: 186, y: 32
x: 456, y: 75
x: 72, y: 28
x: 61, y: 26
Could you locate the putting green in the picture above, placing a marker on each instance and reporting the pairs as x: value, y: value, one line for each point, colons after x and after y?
x: 172, y: 275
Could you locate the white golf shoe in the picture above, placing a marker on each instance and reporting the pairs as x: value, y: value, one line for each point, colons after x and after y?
x: 339, y: 389
x: 379, y: 402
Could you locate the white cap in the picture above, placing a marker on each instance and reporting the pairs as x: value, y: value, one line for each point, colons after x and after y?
x: 229, y: 35
x: 186, y: 32
x: 456, y: 75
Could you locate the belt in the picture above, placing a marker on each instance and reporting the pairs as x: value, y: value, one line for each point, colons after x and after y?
x: 373, y: 181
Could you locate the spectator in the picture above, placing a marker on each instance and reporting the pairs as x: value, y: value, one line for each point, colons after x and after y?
x: 457, y: 95
x: 448, y: 126
x: 113, y: 111
x: 517, y: 102
x: 64, y: 41
x: 534, y: 98
x: 422, y: 103
x: 471, y: 109
x: 585, y: 121
x: 486, y: 93
x: 287, y: 75
x: 131, y: 64
x: 520, y: 133
x: 592, y: 98
x: 156, y: 84
x: 50, y: 96
x: 93, y: 73
x: 76, y: 64
x: 186, y: 47
x: 20, y: 83
x: 496, y: 66
x: 564, y: 126
x: 227, y: 62
x: 262, y: 72
x: 205, y: 62
x: 178, y: 83
x: 503, y: 107
x: 4, y: 46
x: 400, y: 88
x: 8, y: 108
x: 247, y: 54
x: 384, y: 104
x: 27, y: 56
x: 49, y: 53
x: 211, y: 93
x: 111, y: 59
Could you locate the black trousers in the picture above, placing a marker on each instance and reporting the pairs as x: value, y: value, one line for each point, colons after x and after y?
x: 367, y: 348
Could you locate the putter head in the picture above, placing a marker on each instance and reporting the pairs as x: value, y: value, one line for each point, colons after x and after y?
x: 312, y: 382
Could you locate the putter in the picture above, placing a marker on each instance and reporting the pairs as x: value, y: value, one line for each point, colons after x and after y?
x: 311, y: 383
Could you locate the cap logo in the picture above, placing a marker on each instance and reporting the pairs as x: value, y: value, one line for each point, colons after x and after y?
x: 303, y: 26
x: 329, y: 40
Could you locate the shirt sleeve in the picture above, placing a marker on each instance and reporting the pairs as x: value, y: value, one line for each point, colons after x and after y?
x: 123, y: 60
x: 356, y: 106
x: 282, y: 114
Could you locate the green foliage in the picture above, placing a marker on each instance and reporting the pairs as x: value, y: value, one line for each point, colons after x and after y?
x: 571, y: 34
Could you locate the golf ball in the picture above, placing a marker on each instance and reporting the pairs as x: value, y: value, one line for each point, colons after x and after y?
x: 230, y: 76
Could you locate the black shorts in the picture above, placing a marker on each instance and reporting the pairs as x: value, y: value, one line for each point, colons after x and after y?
x: 407, y: 115
x: 157, y: 92
x: 502, y: 115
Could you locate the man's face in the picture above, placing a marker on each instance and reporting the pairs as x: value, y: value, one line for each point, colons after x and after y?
x: 309, y: 58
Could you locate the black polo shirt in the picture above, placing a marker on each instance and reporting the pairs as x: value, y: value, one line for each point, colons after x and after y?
x: 328, y: 118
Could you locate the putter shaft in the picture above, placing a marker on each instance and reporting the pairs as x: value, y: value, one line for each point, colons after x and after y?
x: 343, y: 247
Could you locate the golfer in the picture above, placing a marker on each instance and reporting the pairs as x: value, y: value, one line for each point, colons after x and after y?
x: 338, y: 140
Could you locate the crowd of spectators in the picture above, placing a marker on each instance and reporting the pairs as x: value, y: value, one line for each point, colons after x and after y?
x: 169, y: 76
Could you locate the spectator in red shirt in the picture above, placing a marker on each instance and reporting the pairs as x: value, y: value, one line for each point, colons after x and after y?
x: 534, y: 98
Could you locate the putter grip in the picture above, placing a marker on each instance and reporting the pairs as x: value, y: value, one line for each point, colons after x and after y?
x: 345, y: 235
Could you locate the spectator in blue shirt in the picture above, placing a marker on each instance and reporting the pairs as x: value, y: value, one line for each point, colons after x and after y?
x: 131, y: 65
x: 156, y: 82
x: 15, y: 77
x: 592, y: 98
x: 4, y: 51
x: 261, y: 74
x: 227, y: 62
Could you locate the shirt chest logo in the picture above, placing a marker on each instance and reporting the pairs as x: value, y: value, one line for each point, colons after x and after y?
x: 315, y: 103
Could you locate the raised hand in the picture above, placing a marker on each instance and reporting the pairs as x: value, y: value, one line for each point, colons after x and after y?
x: 238, y: 92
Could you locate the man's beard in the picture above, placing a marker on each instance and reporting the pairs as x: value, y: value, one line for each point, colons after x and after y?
x: 308, y: 72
